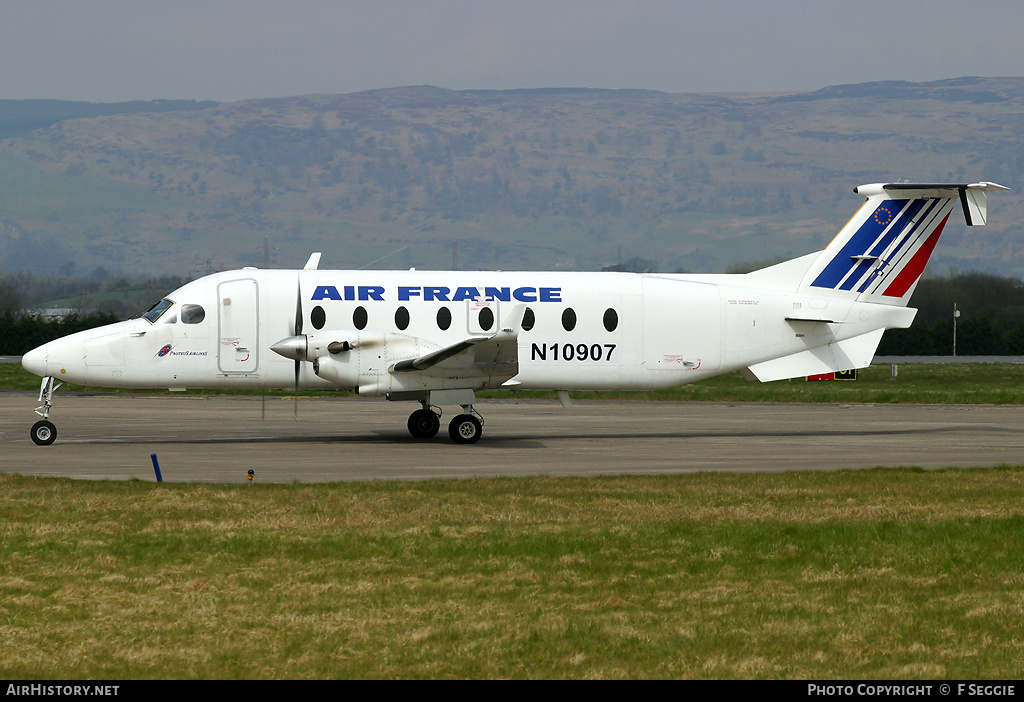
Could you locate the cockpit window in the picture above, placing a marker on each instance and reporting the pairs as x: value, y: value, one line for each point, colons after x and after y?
x: 157, y: 310
x: 192, y: 314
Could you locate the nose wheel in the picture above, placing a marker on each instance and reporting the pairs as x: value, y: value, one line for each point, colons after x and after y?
x: 44, y: 433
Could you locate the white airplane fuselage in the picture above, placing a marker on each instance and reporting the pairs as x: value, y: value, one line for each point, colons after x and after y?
x: 590, y: 331
x: 437, y: 337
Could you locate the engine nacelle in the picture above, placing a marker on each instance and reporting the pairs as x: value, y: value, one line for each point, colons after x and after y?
x: 352, y: 359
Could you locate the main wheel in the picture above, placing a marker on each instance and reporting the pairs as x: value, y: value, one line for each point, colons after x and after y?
x: 424, y: 424
x: 44, y: 433
x: 465, y: 429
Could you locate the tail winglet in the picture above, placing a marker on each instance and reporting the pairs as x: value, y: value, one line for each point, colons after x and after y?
x: 881, y: 252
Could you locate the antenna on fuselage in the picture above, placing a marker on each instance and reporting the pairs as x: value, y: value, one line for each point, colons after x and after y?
x: 313, y: 263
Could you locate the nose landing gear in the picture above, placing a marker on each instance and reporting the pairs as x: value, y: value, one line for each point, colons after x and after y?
x: 44, y: 432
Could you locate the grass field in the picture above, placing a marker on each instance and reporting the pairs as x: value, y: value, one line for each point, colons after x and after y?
x: 871, y: 574
x: 884, y: 574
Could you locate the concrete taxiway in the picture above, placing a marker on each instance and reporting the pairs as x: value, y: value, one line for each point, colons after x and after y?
x: 218, y: 438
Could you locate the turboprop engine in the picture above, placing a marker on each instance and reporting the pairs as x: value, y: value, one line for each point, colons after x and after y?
x: 353, y: 359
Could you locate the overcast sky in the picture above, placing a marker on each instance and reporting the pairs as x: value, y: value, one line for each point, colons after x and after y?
x: 114, y: 50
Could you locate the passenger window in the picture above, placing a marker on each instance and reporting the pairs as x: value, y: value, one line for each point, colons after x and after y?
x: 402, y: 318
x: 569, y: 319
x: 192, y: 314
x: 529, y: 319
x: 486, y: 318
x: 359, y: 318
x: 318, y: 317
x: 611, y: 319
x: 444, y: 318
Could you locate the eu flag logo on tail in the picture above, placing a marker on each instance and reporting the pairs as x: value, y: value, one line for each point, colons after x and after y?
x: 883, y: 216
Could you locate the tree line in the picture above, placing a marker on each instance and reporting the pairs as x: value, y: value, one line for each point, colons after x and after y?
x: 22, y: 329
x: 20, y: 333
x: 991, y: 321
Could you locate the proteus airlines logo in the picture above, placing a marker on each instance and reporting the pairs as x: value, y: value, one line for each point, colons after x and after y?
x: 166, y: 351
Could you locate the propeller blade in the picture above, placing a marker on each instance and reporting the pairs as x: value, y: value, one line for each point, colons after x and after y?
x: 298, y: 327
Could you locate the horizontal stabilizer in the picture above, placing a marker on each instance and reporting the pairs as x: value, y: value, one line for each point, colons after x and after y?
x: 973, y: 196
x: 837, y: 356
x: 811, y: 320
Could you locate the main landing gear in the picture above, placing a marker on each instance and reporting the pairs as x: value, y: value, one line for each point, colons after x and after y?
x: 465, y: 428
x: 424, y: 423
x: 44, y: 432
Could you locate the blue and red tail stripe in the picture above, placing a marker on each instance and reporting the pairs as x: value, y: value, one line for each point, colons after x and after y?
x: 895, y: 259
x: 913, y: 270
x: 878, y: 246
x: 846, y: 261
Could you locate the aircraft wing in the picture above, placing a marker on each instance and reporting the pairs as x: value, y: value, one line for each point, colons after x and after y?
x: 495, y: 357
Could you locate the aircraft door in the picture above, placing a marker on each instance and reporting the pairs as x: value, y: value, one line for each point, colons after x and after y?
x: 682, y: 325
x: 238, y: 326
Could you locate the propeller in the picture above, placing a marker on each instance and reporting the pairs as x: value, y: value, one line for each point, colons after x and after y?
x: 297, y: 328
x: 297, y: 346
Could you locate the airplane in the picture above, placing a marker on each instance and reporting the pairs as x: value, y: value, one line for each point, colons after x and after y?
x: 437, y: 337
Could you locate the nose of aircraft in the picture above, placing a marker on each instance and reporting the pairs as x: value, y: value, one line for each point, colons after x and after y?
x: 35, y: 361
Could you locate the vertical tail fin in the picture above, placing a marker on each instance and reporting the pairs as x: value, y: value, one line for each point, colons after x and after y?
x: 881, y: 252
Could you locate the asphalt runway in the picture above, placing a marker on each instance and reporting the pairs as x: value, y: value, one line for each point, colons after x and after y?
x: 217, y: 439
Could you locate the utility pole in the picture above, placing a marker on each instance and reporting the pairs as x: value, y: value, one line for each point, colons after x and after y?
x: 956, y: 313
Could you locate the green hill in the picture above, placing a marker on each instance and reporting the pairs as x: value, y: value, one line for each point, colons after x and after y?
x: 570, y: 179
